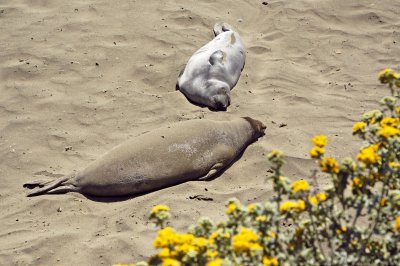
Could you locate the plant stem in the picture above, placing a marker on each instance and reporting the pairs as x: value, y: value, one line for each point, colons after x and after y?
x: 365, y: 242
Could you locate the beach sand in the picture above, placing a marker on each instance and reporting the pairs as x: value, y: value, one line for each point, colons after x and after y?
x: 79, y: 77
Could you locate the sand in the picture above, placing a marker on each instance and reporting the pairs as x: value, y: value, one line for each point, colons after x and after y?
x: 79, y: 77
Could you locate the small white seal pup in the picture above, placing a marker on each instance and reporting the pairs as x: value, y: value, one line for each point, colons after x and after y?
x: 213, y: 71
x: 184, y: 151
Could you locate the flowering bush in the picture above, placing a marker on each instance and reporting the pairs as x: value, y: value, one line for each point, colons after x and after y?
x: 353, y: 221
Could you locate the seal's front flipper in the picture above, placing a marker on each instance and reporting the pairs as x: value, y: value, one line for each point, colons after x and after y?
x: 179, y: 76
x: 217, y: 57
x: 213, y: 171
x: 221, y: 27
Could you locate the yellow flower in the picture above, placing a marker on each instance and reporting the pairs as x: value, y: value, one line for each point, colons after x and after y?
x: 274, y: 155
x: 394, y: 165
x: 313, y: 200
x: 291, y: 205
x: 185, y: 248
x: 386, y: 75
x: 320, y: 141
x: 170, y: 262
x: 164, y: 238
x: 322, y: 196
x: 217, y: 262
x: 200, y: 242
x: 231, y: 208
x: 270, y: 261
x: 261, y: 218
x: 368, y: 155
x: 251, y: 207
x: 301, y: 205
x: 271, y: 234
x: 390, y: 122
x: 397, y: 224
x: 212, y: 253
x: 356, y: 182
x: 329, y: 165
x: 159, y: 208
x: 300, y: 185
x: 316, y: 152
x: 358, y: 127
x: 388, y: 132
x: 165, y: 253
x: 245, y: 240
x: 341, y: 230
x: 398, y: 110
x: 226, y: 235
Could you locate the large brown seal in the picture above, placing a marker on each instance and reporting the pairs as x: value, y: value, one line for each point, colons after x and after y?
x: 213, y: 71
x: 184, y: 151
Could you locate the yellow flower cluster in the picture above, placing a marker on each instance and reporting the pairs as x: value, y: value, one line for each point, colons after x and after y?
x: 320, y: 141
x: 318, y: 150
x: 388, y: 132
x: 329, y: 165
x: 231, y: 208
x: 251, y: 207
x: 387, y: 75
x: 270, y: 261
x: 368, y: 155
x: 300, y: 185
x: 358, y: 127
x: 320, y: 197
x: 275, y: 154
x: 245, y: 241
x: 288, y: 206
x: 174, y: 244
x: 341, y: 230
x: 159, y: 208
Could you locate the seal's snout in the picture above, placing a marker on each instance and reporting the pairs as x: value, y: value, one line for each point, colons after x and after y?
x: 221, y: 102
x: 258, y: 126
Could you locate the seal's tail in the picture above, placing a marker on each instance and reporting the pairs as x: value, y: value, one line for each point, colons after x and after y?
x: 57, y: 186
x: 220, y: 27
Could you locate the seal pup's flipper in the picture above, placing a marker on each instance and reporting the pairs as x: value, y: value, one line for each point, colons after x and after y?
x: 221, y: 27
x: 217, y: 57
x: 50, y: 187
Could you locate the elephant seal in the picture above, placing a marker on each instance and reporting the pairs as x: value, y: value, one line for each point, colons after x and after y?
x: 213, y: 71
x: 184, y: 151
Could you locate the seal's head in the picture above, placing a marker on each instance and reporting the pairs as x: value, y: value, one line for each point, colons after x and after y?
x: 257, y: 126
x: 220, y: 95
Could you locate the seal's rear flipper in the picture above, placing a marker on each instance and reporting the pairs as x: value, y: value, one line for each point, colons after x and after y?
x: 50, y: 187
x: 221, y: 27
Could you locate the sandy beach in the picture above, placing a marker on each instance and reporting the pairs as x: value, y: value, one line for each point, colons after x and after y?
x: 79, y: 77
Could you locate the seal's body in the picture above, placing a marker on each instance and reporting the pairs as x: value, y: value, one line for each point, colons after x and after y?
x: 190, y: 150
x: 214, y: 69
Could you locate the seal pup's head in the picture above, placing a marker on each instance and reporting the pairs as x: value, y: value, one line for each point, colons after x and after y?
x: 257, y: 126
x: 220, y: 95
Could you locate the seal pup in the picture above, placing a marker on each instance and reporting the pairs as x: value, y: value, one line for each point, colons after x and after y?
x: 183, y: 151
x: 213, y: 71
